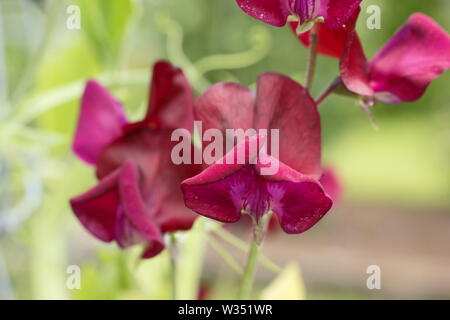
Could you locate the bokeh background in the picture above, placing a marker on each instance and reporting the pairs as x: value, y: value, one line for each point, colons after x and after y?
x: 395, y: 211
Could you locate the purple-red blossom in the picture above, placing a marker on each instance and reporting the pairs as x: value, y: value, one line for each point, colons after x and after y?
x: 293, y: 193
x: 402, y: 70
x: 335, y: 13
x: 223, y: 191
x: 138, y: 197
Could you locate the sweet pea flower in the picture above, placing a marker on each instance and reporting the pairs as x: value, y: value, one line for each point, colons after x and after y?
x: 227, y: 189
x: 138, y: 197
x: 335, y: 13
x: 403, y: 69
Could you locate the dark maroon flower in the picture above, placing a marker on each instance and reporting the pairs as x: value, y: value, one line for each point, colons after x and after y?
x: 138, y: 197
x: 402, y: 70
x: 226, y: 189
x: 335, y: 13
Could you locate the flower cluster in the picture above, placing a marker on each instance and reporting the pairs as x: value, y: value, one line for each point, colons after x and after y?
x: 142, y: 194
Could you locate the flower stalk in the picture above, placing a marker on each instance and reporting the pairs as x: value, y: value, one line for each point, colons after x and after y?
x: 312, y: 58
x: 259, y: 230
x: 173, y: 264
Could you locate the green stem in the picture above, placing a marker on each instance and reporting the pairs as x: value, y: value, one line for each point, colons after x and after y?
x: 173, y: 265
x: 249, y: 272
x: 331, y: 88
x: 259, y: 231
x: 312, y: 58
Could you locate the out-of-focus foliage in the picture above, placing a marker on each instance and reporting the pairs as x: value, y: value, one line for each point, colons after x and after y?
x: 43, y: 67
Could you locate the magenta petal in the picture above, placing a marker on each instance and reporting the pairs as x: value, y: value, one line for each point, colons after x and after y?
x: 283, y: 104
x: 100, y: 122
x: 217, y: 199
x: 139, y: 216
x: 218, y: 190
x: 298, y: 205
x: 273, y: 12
x: 418, y: 53
x: 171, y: 99
x: 97, y: 209
x: 338, y: 12
x: 354, y: 67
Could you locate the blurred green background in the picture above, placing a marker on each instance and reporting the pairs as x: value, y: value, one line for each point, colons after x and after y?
x: 396, y: 207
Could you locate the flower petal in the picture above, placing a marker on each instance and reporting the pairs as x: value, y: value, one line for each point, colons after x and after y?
x: 354, y: 67
x: 337, y: 13
x: 139, y: 216
x: 150, y: 152
x: 225, y: 106
x: 298, y: 205
x: 97, y: 209
x: 418, y: 53
x: 171, y: 99
x: 331, y: 42
x: 283, y: 104
x: 217, y: 192
x: 100, y: 122
x: 331, y: 184
x: 273, y: 12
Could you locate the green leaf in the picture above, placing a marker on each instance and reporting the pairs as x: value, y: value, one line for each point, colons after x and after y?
x: 288, y: 285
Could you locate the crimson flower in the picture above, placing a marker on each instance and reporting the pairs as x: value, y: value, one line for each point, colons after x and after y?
x: 137, y: 198
x: 335, y: 13
x: 402, y: 70
x: 223, y: 191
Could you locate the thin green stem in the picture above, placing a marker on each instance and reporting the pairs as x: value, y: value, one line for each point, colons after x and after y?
x: 259, y: 231
x: 249, y: 272
x: 173, y: 265
x: 331, y: 88
x: 312, y: 58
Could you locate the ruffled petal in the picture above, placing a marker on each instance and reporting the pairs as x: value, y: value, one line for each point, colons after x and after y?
x: 418, y: 53
x: 285, y: 105
x: 217, y: 192
x: 97, y: 209
x: 274, y: 12
x: 171, y: 99
x: 100, y: 122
